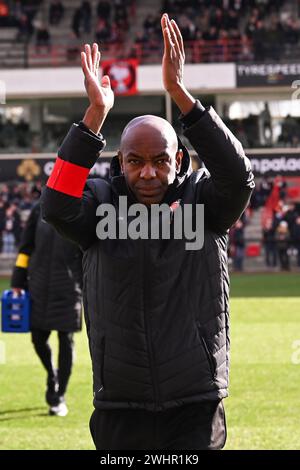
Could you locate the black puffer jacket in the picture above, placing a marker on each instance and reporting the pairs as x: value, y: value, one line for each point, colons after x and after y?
x: 53, y: 276
x: 157, y: 315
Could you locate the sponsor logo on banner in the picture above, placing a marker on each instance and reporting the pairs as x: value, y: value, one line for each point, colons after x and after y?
x: 29, y: 169
x: 122, y: 74
x: 39, y: 169
x: 276, y: 165
x: 266, y: 74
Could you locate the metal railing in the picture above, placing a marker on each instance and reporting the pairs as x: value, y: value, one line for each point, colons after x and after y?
x: 68, y: 54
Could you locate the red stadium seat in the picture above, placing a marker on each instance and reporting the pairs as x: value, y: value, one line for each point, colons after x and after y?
x: 253, y: 249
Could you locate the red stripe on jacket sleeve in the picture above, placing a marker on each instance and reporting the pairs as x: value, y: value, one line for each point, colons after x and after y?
x: 68, y: 178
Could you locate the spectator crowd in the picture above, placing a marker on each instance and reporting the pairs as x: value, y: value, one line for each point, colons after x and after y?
x: 280, y: 227
x: 226, y: 30
x: 222, y: 30
x: 107, y: 24
x: 16, y: 201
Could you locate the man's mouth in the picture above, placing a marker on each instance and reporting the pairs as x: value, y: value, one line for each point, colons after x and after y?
x: 148, y: 191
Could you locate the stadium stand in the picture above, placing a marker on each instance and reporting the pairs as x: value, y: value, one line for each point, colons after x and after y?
x: 51, y: 33
x: 34, y: 33
x: 37, y: 33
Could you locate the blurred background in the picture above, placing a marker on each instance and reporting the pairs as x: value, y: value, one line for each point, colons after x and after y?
x: 243, y: 58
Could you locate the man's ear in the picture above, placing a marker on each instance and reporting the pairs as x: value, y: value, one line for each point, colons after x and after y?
x: 179, y: 155
x: 120, y: 157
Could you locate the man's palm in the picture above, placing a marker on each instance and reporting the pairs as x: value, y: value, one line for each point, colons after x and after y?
x: 173, y: 58
x: 100, y: 93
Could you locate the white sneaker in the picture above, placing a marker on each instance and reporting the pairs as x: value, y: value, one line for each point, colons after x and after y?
x: 59, y: 410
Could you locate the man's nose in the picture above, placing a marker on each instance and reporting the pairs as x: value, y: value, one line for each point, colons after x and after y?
x: 148, y: 172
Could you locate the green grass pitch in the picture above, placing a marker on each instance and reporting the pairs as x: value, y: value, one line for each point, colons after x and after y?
x: 263, y: 410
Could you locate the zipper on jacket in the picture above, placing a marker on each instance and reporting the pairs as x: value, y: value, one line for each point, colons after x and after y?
x: 148, y: 328
x: 207, y: 351
x: 102, y: 363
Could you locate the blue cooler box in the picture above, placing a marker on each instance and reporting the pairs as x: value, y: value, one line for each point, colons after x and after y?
x: 15, y: 312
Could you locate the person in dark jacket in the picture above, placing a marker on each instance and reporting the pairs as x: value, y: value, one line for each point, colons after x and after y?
x: 50, y: 268
x: 157, y: 314
x: 239, y: 246
x: 270, y: 244
x: 282, y: 237
x: 296, y: 238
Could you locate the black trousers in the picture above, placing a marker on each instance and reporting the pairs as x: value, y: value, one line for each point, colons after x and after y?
x: 65, y: 356
x: 197, y: 426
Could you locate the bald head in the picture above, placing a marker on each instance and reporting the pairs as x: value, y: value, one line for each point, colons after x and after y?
x: 148, y: 128
x: 149, y: 157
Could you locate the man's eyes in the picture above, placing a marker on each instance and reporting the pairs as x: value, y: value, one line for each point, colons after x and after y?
x: 159, y: 162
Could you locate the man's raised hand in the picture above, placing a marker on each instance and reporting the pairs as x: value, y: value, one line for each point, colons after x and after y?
x: 173, y: 65
x: 173, y: 58
x: 100, y: 94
